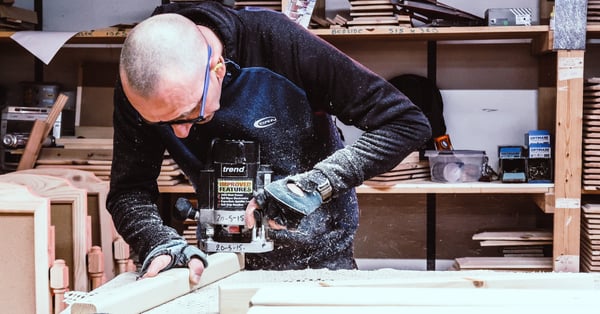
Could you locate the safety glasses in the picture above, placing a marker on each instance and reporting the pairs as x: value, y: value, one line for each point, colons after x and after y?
x: 202, y: 102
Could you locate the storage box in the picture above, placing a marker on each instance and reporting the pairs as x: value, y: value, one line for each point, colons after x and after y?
x: 455, y: 166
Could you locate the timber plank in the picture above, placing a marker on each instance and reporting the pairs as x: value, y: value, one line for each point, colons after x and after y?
x: 135, y: 296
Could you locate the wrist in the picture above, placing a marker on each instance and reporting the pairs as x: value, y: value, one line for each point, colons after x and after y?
x: 323, y: 186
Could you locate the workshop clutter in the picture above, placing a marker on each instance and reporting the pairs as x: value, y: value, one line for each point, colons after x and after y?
x: 411, y: 169
x: 454, y: 166
x: 530, y: 163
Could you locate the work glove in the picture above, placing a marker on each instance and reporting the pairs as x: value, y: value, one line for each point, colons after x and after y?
x: 290, y: 199
x: 180, y: 253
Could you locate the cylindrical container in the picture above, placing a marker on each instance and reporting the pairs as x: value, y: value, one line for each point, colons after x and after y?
x: 19, y: 140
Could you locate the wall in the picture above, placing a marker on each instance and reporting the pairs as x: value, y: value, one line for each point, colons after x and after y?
x: 81, y: 15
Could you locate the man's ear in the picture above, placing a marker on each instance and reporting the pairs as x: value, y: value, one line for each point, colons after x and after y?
x: 220, y: 69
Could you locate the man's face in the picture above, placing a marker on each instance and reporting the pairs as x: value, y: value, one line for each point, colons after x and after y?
x: 178, y: 101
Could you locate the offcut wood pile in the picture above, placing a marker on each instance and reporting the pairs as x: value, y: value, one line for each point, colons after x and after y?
x: 411, y: 169
x: 590, y: 238
x: 95, y: 155
x: 522, y: 250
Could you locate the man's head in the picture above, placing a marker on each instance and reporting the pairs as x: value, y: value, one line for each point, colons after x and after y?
x: 163, y: 67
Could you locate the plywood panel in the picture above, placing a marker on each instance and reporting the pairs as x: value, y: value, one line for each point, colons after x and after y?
x: 24, y: 228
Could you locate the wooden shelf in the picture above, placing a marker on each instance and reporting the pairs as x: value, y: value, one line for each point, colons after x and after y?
x: 87, y: 37
x: 427, y: 187
x: 440, y: 33
x: 412, y: 33
x: 542, y: 193
x: 461, y: 188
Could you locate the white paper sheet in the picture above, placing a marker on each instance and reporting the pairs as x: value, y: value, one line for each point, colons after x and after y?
x: 43, y: 45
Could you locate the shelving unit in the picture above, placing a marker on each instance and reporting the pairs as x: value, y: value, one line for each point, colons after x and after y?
x: 562, y: 198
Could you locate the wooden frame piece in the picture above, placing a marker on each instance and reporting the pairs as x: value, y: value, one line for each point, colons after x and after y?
x: 104, y: 233
x: 24, y: 232
x: 68, y: 213
x: 530, y: 300
x: 136, y: 296
x: 236, y: 292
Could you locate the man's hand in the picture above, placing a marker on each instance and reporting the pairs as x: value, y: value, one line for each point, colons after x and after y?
x: 287, y: 201
x: 251, y: 222
x: 176, y: 253
x: 160, y: 262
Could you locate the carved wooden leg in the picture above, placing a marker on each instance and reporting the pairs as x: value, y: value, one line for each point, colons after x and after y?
x: 121, y: 254
x: 59, y: 283
x: 96, y: 267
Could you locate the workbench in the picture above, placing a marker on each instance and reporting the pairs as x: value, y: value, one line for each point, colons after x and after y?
x: 525, y: 289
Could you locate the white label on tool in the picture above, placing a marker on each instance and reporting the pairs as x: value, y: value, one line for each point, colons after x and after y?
x: 567, y: 203
x: 229, y: 217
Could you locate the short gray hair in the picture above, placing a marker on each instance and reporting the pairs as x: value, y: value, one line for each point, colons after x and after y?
x: 164, y: 42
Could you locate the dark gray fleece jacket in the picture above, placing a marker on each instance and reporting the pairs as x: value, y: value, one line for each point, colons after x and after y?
x: 291, y: 75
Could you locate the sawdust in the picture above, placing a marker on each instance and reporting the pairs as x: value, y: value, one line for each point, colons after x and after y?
x: 206, y: 299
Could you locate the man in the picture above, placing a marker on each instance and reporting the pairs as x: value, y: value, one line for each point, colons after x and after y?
x: 208, y: 71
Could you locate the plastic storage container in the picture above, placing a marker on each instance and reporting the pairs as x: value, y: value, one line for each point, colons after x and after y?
x: 456, y: 166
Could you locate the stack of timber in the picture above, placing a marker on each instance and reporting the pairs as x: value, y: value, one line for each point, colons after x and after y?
x: 591, y: 134
x: 95, y: 155
x: 375, y: 13
x: 590, y: 238
x: 517, y: 243
x: 522, y: 251
x: 189, y: 231
x: 410, y: 169
x: 593, y: 12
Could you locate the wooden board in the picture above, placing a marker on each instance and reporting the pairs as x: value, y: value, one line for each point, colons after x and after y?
x: 368, y: 297
x: 236, y: 291
x: 24, y: 234
x: 509, y: 263
x: 135, y: 296
x: 68, y: 215
x: 514, y: 235
x: 39, y: 132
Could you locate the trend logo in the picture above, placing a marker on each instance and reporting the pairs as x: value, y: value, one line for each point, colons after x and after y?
x: 265, y: 122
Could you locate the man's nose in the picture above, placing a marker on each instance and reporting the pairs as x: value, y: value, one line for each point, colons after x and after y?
x: 182, y: 130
